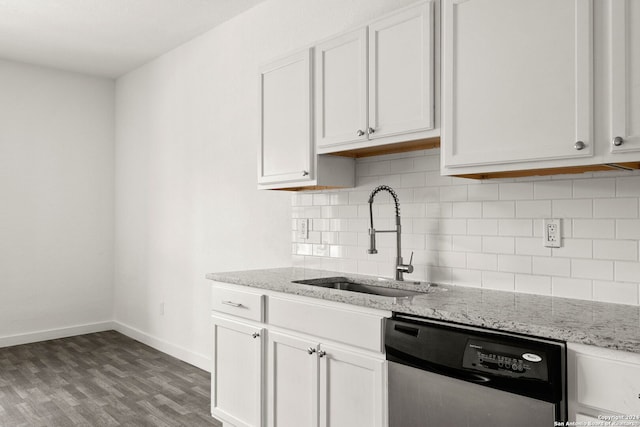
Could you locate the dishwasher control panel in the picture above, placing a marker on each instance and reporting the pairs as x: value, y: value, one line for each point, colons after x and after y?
x: 505, y: 360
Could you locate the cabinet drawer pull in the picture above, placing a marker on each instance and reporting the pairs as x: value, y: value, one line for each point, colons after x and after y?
x: 371, y: 130
x: 311, y: 350
x: 360, y: 132
x: 322, y: 353
x: 232, y: 304
x: 579, y: 145
x: 305, y: 173
x: 255, y: 334
x: 618, y: 141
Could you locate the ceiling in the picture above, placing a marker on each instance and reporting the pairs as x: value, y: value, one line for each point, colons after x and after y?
x: 105, y: 37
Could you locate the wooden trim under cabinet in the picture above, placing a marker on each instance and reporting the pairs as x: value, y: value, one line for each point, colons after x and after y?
x: 553, y: 171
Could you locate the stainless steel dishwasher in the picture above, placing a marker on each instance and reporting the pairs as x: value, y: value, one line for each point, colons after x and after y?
x: 443, y: 374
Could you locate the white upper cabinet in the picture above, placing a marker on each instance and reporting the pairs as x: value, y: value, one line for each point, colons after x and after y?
x: 517, y: 82
x: 625, y: 76
x: 341, y: 89
x: 287, y: 157
x: 286, y: 144
x: 375, y: 85
x: 401, y: 69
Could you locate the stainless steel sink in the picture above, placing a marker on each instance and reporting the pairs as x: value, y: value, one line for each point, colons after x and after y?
x: 345, y: 284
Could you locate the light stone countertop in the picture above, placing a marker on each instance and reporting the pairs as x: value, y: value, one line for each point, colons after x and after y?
x: 613, y: 326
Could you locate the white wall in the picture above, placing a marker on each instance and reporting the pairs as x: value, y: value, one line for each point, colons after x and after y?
x: 56, y: 211
x: 187, y: 135
x: 482, y: 233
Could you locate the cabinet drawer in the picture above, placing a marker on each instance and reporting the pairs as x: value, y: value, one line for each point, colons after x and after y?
x: 608, y: 384
x: 337, y: 324
x: 248, y: 305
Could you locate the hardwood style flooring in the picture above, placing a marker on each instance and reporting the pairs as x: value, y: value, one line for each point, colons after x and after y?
x: 101, y: 379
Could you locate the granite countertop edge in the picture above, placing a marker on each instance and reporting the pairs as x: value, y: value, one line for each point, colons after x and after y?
x: 605, y: 325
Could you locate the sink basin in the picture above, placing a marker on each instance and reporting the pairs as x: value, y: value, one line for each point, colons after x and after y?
x: 345, y: 284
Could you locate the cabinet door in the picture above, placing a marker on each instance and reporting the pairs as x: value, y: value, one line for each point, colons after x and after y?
x: 292, y: 381
x: 351, y: 389
x: 286, y: 140
x: 401, y: 78
x: 236, y: 375
x: 625, y: 75
x: 341, y: 89
x: 517, y: 81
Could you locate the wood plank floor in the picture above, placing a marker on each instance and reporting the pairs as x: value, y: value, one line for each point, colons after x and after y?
x: 101, y: 379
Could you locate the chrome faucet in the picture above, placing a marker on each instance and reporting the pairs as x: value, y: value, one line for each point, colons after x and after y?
x: 400, y: 267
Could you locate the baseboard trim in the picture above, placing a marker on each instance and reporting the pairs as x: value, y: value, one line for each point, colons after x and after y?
x: 198, y: 360
x: 52, y: 334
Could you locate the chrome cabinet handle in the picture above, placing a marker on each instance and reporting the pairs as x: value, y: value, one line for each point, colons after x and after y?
x: 618, y: 141
x: 311, y: 350
x: 360, y: 132
x: 232, y: 304
x: 322, y: 353
x: 305, y: 173
x: 370, y: 131
x: 579, y: 145
x: 255, y: 334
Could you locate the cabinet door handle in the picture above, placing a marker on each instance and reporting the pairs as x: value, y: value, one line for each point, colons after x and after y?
x: 579, y: 145
x: 255, y: 334
x: 322, y: 353
x: 360, y: 132
x: 371, y: 130
x: 618, y: 141
x: 305, y: 173
x: 311, y: 350
x: 232, y: 304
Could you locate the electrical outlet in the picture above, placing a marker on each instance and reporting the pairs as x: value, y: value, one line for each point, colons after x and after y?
x: 303, y: 228
x: 552, y: 233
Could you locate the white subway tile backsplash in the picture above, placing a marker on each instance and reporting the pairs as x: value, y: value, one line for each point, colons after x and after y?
x: 539, y: 285
x: 514, y: 263
x: 516, y: 191
x: 619, y: 293
x: 548, y: 266
x: 480, y: 233
x: 497, y: 280
x: 579, y: 208
x: 480, y: 261
x: 483, y: 192
x: 592, y: 269
x: 531, y: 246
x: 515, y: 227
x: 615, y: 208
x: 628, y: 229
x: 553, y: 189
x: 594, y: 188
x: 627, y: 271
x: 571, y: 288
x: 533, y: 209
x: 482, y: 227
x: 498, y: 209
x: 594, y: 228
x: 452, y: 259
x: 628, y: 186
x: 498, y: 245
x: 454, y: 193
x: 626, y: 250
x: 471, y: 278
x: 574, y: 248
x: 467, y: 243
x: 467, y: 210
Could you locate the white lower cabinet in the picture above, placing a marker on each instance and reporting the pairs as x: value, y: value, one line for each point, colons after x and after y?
x: 324, y: 361
x: 236, y: 375
x: 314, y: 384
x: 603, y: 383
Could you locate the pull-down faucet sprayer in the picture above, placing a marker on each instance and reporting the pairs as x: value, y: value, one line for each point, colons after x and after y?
x: 400, y: 267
